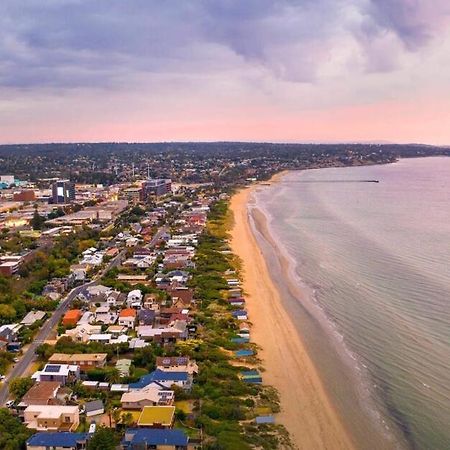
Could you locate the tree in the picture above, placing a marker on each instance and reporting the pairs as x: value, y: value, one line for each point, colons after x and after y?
x: 20, y: 386
x: 127, y: 419
x: 103, y: 439
x: 7, y: 313
x: 13, y: 434
x: 37, y: 222
x: 112, y: 375
x: 116, y: 415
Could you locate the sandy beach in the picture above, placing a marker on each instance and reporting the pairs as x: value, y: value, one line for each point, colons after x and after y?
x: 306, y: 411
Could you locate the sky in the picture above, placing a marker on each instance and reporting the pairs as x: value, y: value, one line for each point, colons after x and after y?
x: 210, y: 70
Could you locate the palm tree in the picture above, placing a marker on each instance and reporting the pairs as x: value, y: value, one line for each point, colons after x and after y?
x: 113, y: 376
x: 116, y: 416
x: 127, y: 419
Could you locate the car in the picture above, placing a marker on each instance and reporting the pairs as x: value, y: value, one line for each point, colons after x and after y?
x: 16, y: 360
x: 2, y: 377
x: 10, y: 403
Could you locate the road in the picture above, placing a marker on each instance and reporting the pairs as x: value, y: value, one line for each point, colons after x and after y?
x: 29, y: 356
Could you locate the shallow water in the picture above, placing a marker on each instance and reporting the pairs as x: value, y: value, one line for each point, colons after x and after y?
x: 376, y: 257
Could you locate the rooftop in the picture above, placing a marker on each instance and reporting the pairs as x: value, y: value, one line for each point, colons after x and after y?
x: 62, y: 439
x: 156, y: 415
x: 154, y: 437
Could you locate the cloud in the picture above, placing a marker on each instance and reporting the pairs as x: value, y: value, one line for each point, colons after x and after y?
x: 84, y: 43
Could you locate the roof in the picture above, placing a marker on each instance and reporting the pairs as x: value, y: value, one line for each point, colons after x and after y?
x: 154, y: 437
x: 264, y: 419
x: 73, y: 313
x: 41, y: 392
x: 95, y: 405
x: 62, y: 439
x: 128, y: 312
x: 76, y: 357
x: 172, y: 360
x: 159, y: 375
x: 156, y: 414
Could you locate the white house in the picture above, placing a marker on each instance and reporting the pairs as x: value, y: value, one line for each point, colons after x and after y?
x: 134, y: 299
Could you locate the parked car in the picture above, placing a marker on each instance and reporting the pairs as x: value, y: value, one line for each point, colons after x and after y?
x: 10, y: 403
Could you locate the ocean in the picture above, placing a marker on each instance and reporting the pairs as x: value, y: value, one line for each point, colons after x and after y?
x: 364, y: 271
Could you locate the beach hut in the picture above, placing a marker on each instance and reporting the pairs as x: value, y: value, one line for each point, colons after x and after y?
x: 243, y: 353
x: 251, y: 376
x: 260, y: 420
x: 240, y: 340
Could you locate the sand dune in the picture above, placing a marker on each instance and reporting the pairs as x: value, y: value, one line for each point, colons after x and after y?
x: 306, y: 410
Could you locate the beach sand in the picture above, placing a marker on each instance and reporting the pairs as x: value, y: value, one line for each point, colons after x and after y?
x: 306, y: 411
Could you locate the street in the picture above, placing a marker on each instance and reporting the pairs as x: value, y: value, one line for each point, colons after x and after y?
x: 29, y: 356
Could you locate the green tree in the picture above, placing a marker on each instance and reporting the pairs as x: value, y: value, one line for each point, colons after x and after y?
x: 127, y: 419
x: 20, y: 386
x: 103, y: 439
x: 13, y: 434
x: 112, y: 375
x: 7, y: 314
x: 37, y: 222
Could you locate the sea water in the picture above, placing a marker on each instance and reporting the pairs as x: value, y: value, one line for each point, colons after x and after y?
x: 374, y: 259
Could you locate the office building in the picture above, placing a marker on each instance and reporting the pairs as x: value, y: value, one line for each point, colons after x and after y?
x: 156, y: 188
x: 63, y: 191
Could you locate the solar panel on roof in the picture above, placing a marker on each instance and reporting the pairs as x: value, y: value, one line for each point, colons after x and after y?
x: 52, y: 368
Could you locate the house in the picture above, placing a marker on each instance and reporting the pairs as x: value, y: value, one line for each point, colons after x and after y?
x: 103, y: 338
x: 104, y: 315
x: 116, y: 330
x: 51, y: 417
x: 94, y: 408
x: 42, y: 393
x: 123, y: 366
x: 115, y: 298
x: 181, y: 296
x: 137, y: 343
x: 146, y: 316
x: 146, y: 439
x: 10, y: 333
x: 85, y: 361
x: 127, y: 317
x: 149, y: 396
x: 63, y: 373
x: 151, y: 301
x: 167, y: 379
x: 176, y: 364
x: 157, y: 416
x: 134, y: 299
x: 81, y: 333
x: 58, y: 441
x: 71, y: 317
x: 32, y: 317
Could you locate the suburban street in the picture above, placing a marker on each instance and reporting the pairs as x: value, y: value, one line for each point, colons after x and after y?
x: 21, y: 367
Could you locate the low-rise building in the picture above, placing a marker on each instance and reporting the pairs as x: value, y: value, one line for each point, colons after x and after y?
x: 85, y: 361
x: 58, y: 441
x: 150, y: 396
x: 63, y: 373
x: 127, y: 318
x: 51, y: 417
x: 146, y: 439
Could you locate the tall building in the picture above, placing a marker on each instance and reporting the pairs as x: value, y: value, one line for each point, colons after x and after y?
x: 156, y: 188
x: 63, y: 191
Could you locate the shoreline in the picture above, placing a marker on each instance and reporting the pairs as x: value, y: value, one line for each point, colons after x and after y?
x: 306, y: 410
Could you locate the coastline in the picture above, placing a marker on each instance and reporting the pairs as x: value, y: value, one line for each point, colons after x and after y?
x: 306, y: 410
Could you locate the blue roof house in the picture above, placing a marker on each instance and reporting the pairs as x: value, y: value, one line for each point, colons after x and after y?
x: 151, y: 438
x: 66, y: 440
x: 167, y: 379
